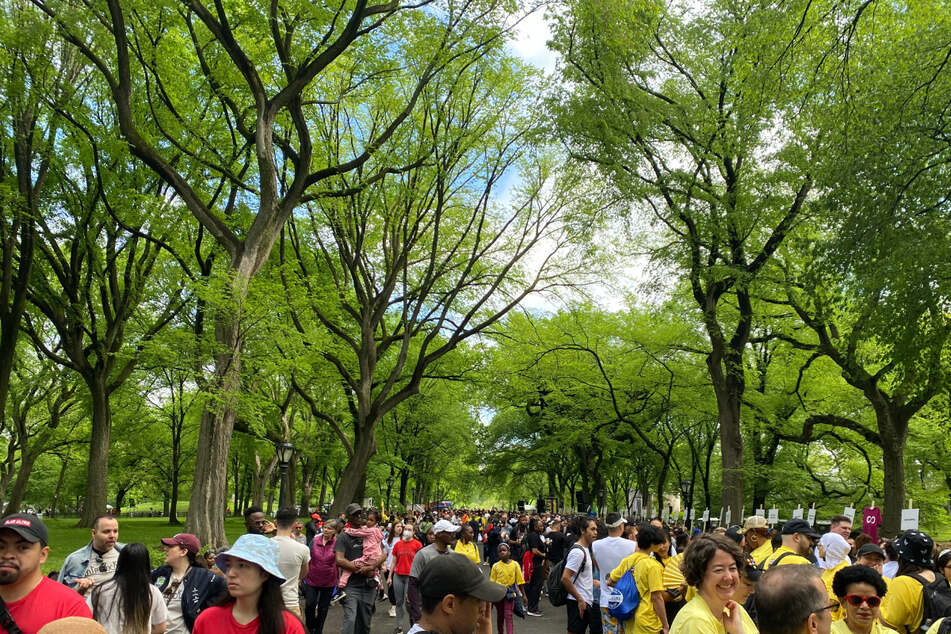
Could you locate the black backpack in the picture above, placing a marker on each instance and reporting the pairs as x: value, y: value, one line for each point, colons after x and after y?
x: 936, y: 597
x: 554, y: 588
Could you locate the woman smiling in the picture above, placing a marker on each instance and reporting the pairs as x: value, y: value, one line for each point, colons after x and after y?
x: 860, y: 590
x: 711, y: 564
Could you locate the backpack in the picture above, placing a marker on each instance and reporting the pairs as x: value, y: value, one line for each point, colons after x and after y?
x: 945, y: 627
x: 554, y: 588
x: 630, y: 597
x: 936, y: 597
x: 762, y: 565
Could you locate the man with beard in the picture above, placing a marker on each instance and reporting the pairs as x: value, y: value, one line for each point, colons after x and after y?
x: 95, y: 563
x: 360, y: 598
x: 32, y: 599
x: 455, y: 597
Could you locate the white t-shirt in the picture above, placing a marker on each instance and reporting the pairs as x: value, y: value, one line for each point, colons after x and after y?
x: 109, y: 612
x: 102, y: 567
x: 292, y: 556
x: 176, y: 619
x: 584, y: 582
x: 610, y: 551
x: 415, y: 629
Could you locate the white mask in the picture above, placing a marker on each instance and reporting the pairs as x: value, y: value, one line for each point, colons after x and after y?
x: 407, y: 534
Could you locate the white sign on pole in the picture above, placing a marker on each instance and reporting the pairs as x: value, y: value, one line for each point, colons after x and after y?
x: 728, y: 517
x: 849, y: 512
x: 693, y: 514
x: 811, y: 517
x: 797, y: 514
x: 706, y: 515
x: 773, y: 515
x: 760, y: 512
x: 909, y: 519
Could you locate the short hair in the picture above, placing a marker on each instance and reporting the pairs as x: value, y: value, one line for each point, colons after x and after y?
x: 285, y: 517
x: 251, y: 510
x: 428, y: 604
x: 839, y: 519
x: 776, y: 540
x: 701, y: 552
x: 858, y: 574
x: 944, y: 558
x: 786, y: 596
x: 581, y: 523
x: 95, y: 522
x: 649, y: 535
x: 682, y: 540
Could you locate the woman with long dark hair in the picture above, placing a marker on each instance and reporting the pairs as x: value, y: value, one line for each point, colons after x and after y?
x: 129, y: 603
x: 254, y: 603
x: 187, y: 586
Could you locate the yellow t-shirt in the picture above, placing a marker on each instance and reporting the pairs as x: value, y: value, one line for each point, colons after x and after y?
x: 760, y: 554
x: 827, y: 576
x: 469, y: 550
x: 505, y: 574
x: 649, y: 577
x: 840, y: 627
x: 903, y: 606
x: 792, y: 558
x: 696, y: 618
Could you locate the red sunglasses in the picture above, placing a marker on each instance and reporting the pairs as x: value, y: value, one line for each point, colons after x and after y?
x: 857, y: 600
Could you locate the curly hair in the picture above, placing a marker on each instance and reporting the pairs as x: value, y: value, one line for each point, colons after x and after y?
x: 701, y: 551
x: 858, y: 574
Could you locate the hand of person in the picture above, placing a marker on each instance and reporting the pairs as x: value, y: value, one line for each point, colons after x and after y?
x: 596, y: 584
x: 268, y: 527
x: 84, y: 583
x: 732, y: 623
x: 484, y: 625
x: 582, y: 607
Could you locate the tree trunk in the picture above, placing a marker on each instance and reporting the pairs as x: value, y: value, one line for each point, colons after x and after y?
x: 307, y: 485
x: 323, y: 487
x: 173, y: 503
x: 729, y: 392
x: 17, y: 493
x: 97, y: 470
x: 290, y: 489
x: 404, y: 483
x: 59, y: 486
x: 893, y: 456
x: 353, y: 481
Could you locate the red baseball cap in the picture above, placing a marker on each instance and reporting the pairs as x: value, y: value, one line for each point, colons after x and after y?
x: 186, y: 540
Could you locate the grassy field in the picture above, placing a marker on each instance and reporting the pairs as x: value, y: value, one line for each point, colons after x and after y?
x: 65, y: 537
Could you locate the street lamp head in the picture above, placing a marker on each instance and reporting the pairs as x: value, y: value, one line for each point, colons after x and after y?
x: 285, y: 453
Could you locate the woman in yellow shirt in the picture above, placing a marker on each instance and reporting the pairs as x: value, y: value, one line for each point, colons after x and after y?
x: 465, y: 545
x: 903, y: 608
x: 835, y: 557
x: 507, y: 573
x: 711, y: 564
x: 860, y: 590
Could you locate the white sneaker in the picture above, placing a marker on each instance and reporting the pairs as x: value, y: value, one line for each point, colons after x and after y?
x: 393, y: 611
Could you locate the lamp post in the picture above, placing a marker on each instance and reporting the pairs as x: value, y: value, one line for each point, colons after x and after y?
x: 685, y: 491
x: 285, y: 453
x: 389, y: 487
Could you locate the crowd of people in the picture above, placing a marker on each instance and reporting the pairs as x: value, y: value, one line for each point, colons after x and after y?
x: 612, y: 576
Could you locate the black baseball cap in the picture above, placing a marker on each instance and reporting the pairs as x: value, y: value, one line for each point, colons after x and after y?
x: 352, y: 509
x: 800, y: 526
x: 455, y: 574
x: 27, y: 526
x: 870, y: 549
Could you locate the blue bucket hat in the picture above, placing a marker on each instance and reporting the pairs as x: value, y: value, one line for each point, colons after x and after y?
x: 257, y: 549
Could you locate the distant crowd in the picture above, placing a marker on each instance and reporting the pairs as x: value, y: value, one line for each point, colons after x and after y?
x: 608, y: 575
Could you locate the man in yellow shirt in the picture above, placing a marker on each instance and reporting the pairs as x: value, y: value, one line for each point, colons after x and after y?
x: 903, y: 605
x: 799, y: 538
x: 756, y: 533
x: 651, y: 615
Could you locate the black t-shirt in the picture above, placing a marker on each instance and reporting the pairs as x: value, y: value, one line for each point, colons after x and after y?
x: 534, y: 541
x: 352, y: 549
x: 558, y: 547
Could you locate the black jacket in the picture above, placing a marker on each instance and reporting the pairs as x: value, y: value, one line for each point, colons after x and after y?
x: 201, y: 587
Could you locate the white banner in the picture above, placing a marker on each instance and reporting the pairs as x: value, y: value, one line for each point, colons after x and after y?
x: 773, y: 515
x: 811, y: 517
x: 797, y: 514
x: 909, y: 519
x: 849, y: 512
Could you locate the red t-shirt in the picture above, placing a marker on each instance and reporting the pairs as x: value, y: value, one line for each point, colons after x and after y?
x: 219, y: 620
x: 47, y: 602
x: 403, y: 553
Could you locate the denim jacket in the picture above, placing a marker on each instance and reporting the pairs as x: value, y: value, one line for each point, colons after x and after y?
x: 76, y: 563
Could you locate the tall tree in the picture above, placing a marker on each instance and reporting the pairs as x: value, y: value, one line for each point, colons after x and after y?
x: 679, y: 109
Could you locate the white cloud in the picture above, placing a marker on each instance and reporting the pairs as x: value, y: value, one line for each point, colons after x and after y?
x: 530, y: 42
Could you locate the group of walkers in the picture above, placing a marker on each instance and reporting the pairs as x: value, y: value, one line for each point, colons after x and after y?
x: 612, y: 577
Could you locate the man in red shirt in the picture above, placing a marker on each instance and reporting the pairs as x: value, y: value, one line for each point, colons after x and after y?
x: 32, y: 599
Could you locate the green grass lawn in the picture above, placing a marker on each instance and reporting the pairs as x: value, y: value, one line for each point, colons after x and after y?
x: 65, y: 537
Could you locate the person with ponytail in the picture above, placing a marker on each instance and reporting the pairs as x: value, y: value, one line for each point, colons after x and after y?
x: 254, y: 603
x: 128, y: 603
x: 186, y: 584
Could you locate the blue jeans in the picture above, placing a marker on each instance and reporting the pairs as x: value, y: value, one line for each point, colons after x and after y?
x: 358, y: 608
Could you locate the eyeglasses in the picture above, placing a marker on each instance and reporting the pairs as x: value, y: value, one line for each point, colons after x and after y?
x: 857, y: 600
x: 832, y: 606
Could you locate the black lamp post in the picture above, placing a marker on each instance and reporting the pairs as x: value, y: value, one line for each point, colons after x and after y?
x: 285, y: 453
x: 687, y: 504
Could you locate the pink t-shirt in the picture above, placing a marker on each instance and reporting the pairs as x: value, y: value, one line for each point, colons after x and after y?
x: 219, y: 620
x: 47, y: 602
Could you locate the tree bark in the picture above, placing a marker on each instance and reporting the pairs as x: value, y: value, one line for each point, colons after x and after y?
x: 97, y: 469
x: 18, y: 492
x: 59, y: 486
x: 353, y: 480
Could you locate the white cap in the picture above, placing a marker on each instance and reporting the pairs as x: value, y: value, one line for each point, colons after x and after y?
x: 444, y: 526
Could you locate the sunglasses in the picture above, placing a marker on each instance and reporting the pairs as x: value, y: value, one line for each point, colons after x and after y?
x: 857, y: 600
x: 102, y: 565
x: 832, y: 606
